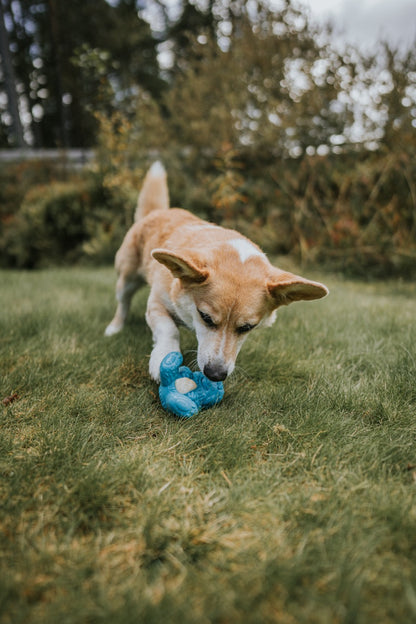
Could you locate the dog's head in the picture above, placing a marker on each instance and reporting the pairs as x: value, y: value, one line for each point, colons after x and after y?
x: 227, y: 294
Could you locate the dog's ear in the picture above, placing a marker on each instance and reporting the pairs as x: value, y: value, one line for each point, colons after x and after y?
x: 187, y: 267
x: 286, y: 288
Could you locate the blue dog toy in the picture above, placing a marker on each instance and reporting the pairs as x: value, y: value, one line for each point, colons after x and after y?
x: 183, y: 392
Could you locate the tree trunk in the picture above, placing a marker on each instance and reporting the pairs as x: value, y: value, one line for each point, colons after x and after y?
x: 10, y: 84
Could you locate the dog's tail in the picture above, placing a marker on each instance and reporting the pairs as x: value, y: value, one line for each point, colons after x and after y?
x: 154, y: 194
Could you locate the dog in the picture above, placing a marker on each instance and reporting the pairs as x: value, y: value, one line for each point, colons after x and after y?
x: 213, y: 280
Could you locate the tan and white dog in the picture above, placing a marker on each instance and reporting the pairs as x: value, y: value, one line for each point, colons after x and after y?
x: 211, y: 279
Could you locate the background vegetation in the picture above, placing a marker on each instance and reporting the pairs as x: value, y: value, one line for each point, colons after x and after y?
x: 292, y: 501
x: 260, y: 121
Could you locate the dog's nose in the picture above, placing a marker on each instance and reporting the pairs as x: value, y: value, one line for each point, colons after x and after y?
x: 215, y: 372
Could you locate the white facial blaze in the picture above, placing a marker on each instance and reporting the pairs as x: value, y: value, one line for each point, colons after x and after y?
x: 217, y: 345
x: 245, y: 249
x: 206, y: 341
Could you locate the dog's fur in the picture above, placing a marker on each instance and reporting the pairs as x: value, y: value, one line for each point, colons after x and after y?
x: 210, y: 279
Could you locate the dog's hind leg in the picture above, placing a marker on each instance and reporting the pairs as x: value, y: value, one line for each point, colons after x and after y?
x: 125, y: 289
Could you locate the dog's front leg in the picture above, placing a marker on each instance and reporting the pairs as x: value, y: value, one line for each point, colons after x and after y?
x: 165, y: 335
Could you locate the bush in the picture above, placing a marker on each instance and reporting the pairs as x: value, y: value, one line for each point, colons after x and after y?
x: 352, y: 212
x: 237, y: 145
x: 17, y: 178
x: 62, y: 222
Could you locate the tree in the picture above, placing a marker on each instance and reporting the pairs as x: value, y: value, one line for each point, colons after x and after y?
x: 254, y: 77
x: 17, y: 136
x: 45, y: 36
x: 399, y: 99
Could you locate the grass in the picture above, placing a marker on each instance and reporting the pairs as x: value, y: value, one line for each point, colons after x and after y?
x: 292, y: 501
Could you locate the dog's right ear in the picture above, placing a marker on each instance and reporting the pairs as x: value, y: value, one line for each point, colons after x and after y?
x: 285, y: 287
x: 187, y: 267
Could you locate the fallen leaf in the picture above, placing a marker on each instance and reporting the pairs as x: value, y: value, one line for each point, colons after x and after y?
x: 7, y: 400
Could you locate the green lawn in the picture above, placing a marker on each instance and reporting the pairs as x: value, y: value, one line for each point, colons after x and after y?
x: 292, y: 501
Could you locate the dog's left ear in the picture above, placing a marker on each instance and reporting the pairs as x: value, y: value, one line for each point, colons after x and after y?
x: 187, y: 267
x: 286, y: 288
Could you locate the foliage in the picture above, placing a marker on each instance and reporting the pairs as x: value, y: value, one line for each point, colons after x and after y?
x: 353, y: 212
x: 281, y: 83
x: 258, y: 134
x: 17, y: 178
x: 261, y: 125
x: 246, y: 94
x: 60, y: 222
x: 347, y: 212
x: 293, y: 501
x: 49, y: 43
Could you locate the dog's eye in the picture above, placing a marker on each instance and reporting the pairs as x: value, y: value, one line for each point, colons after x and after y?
x: 207, y: 319
x: 245, y: 328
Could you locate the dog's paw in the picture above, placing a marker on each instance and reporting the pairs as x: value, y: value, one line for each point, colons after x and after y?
x: 154, y: 366
x: 160, y: 351
x: 154, y: 376
x: 112, y: 329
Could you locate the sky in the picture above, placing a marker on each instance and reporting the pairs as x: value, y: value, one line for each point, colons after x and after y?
x: 364, y: 22
x: 359, y: 22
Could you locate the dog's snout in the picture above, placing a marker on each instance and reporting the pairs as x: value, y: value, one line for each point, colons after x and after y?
x: 215, y: 372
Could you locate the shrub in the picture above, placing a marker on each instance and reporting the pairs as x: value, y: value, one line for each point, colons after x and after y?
x: 62, y: 222
x: 237, y: 145
x: 352, y: 212
x: 17, y: 178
